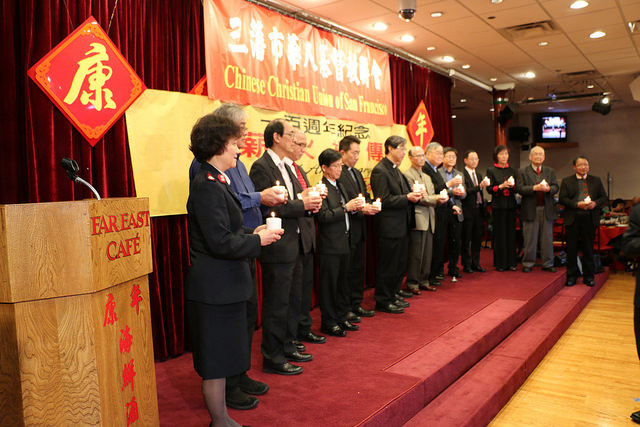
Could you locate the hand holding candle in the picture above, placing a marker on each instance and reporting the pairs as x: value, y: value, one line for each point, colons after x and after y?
x: 377, y: 204
x: 485, y: 182
x: 267, y: 236
x: 511, y: 181
x: 273, y: 222
x: 280, y: 190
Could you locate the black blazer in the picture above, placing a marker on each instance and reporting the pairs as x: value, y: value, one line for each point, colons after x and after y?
x: 220, y: 247
x: 333, y: 237
x: 264, y: 174
x: 396, y: 217
x: 469, y: 203
x: 570, y: 192
x: 525, y: 181
x: 505, y: 198
x: 439, y: 184
x: 306, y: 223
x: 358, y: 224
x: 453, y: 199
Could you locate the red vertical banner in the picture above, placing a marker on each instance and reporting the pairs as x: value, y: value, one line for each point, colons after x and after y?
x: 259, y: 57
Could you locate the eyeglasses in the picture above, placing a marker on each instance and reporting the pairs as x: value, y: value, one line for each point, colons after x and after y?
x: 301, y: 145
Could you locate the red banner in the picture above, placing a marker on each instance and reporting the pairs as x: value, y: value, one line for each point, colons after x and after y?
x: 259, y: 57
x: 419, y: 128
x: 88, y: 79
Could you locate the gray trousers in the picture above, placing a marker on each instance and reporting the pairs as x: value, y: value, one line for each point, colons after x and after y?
x: 540, y: 229
x: 419, y: 262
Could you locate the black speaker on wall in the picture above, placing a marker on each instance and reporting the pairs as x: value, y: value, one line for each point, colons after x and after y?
x: 505, y: 115
x: 519, y: 134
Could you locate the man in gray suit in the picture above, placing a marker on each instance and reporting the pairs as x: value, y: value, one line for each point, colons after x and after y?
x: 456, y: 193
x: 537, y: 184
x: 421, y: 236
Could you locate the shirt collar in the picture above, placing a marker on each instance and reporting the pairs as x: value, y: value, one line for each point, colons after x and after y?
x: 223, y: 174
x: 276, y: 159
x: 582, y: 177
x: 432, y: 167
x: 468, y: 169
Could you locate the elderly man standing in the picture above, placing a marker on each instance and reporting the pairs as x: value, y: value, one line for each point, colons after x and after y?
x: 537, y: 184
x: 421, y: 236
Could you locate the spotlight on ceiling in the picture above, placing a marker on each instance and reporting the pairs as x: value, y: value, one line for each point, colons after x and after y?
x: 603, y: 106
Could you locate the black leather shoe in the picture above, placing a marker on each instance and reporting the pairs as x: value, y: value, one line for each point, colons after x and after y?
x: 335, y: 331
x: 479, y: 269
x: 364, y: 312
x: 467, y: 270
x: 399, y: 297
x: 512, y: 268
x: 348, y: 326
x: 296, y: 356
x: 429, y: 287
x: 589, y: 282
x: 499, y: 269
x: 299, y: 346
x: 238, y: 399
x: 404, y: 293
x: 402, y: 304
x: 284, y: 368
x: 549, y: 269
x: 455, y: 274
x: 526, y: 269
x: 251, y: 386
x: 353, y: 318
x: 313, y: 338
x: 635, y: 417
x: 570, y: 282
x: 389, y: 308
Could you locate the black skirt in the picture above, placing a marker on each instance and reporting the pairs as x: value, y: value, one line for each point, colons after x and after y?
x: 218, y: 338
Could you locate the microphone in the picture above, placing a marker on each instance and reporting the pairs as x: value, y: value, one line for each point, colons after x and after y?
x: 72, y: 168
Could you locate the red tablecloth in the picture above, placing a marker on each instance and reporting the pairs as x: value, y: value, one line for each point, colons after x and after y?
x: 609, y: 232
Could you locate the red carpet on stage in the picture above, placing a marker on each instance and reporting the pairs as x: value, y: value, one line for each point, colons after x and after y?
x: 454, y: 357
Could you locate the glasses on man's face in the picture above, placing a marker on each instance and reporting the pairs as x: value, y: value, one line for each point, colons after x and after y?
x: 301, y: 145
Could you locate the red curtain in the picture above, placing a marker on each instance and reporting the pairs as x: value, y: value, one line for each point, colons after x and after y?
x: 164, y: 43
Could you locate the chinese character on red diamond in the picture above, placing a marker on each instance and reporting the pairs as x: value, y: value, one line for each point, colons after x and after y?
x: 135, y: 297
x: 374, y: 150
x: 96, y: 73
x: 132, y: 411
x: 127, y: 375
x: 110, y: 311
x: 125, y: 340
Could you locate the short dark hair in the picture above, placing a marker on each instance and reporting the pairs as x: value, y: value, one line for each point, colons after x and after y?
x: 274, y: 126
x: 497, y: 150
x: 345, y: 143
x: 466, y: 153
x: 393, y: 141
x: 616, y: 202
x: 578, y: 158
x: 329, y: 156
x: 449, y: 149
x: 210, y: 135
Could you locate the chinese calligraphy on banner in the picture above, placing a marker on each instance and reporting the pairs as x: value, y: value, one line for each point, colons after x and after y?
x: 88, y: 79
x: 259, y: 57
x: 419, y: 128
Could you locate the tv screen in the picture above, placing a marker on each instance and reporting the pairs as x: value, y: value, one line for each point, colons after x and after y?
x: 551, y: 128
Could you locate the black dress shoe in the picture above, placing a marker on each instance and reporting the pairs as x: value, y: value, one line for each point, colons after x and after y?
x: 353, y: 318
x: 549, y: 269
x: 313, y: 338
x: 512, y: 268
x: 589, y: 282
x: 251, y: 386
x: 296, y: 356
x: 364, y: 312
x: 479, y: 269
x: 526, y: 269
x: 399, y: 297
x: 467, y: 270
x: 455, y: 274
x: 635, y: 417
x: 402, y: 304
x: 499, y: 269
x: 435, y: 283
x: 389, y: 308
x: 284, y: 368
x: 348, y: 326
x: 429, y: 287
x: 570, y: 282
x: 299, y: 346
x: 335, y: 331
x: 404, y: 293
x: 238, y: 399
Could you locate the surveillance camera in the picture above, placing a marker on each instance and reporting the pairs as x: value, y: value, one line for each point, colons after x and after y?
x: 406, y: 9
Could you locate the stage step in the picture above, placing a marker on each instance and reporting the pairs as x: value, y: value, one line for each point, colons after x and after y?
x: 478, y: 395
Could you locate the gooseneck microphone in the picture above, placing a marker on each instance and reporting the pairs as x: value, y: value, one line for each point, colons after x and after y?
x: 72, y: 168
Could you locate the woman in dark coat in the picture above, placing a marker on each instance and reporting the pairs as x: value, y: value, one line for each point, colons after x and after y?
x: 503, y: 209
x: 219, y: 280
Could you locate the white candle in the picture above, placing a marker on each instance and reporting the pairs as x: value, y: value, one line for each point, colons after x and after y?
x: 273, y: 222
x: 320, y: 188
x: 314, y: 193
x: 486, y: 179
x: 544, y: 182
x: 511, y: 180
x: 377, y: 204
x: 587, y: 199
x: 417, y: 187
x: 443, y: 193
x: 280, y: 189
x: 361, y: 199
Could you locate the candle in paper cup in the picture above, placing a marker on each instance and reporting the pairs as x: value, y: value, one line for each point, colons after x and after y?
x: 417, y: 187
x: 544, y: 182
x: 587, y: 199
x: 361, y: 199
x: 443, y: 193
x: 487, y: 180
x: 320, y: 188
x: 377, y: 204
x: 511, y: 181
x: 273, y: 222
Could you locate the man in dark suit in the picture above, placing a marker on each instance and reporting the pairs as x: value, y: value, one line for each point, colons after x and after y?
x: 537, y: 185
x: 455, y: 216
x: 392, y: 224
x: 334, y: 227
x: 282, y: 263
x: 308, y: 237
x: 473, y: 209
x: 583, y: 196
x: 353, y: 183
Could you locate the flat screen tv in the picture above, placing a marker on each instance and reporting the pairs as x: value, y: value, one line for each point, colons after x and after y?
x: 550, y: 128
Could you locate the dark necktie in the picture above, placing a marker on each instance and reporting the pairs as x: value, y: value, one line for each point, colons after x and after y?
x: 352, y: 174
x: 584, y: 189
x: 403, y: 184
x: 301, y: 180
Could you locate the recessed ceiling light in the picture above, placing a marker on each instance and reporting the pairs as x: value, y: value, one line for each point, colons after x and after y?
x: 496, y: 1
x: 407, y: 38
x: 448, y: 58
x: 463, y: 100
x: 543, y: 44
x: 466, y: 66
x: 597, y: 34
x: 436, y: 14
x: 380, y: 26
x: 590, y: 86
x: 494, y: 79
x: 604, y: 100
x: 431, y: 48
x: 530, y: 75
x: 454, y: 116
x: 579, y: 4
x: 530, y: 98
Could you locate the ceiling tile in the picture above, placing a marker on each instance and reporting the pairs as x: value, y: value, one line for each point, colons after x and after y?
x: 561, y: 9
x: 589, y: 22
x: 349, y: 10
x: 517, y: 16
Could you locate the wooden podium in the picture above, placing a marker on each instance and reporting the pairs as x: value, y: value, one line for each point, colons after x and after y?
x: 75, y: 321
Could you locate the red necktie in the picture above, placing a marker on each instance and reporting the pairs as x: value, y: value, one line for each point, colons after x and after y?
x: 303, y: 183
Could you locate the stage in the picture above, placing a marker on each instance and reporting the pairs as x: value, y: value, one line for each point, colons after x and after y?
x: 454, y: 358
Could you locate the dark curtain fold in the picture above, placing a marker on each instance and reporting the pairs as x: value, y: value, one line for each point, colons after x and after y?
x: 164, y: 43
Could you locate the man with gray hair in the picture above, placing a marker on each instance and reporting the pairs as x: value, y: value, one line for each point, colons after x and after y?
x: 537, y: 185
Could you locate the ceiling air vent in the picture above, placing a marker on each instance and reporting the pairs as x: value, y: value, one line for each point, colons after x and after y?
x: 634, y: 27
x: 528, y: 31
x: 582, y: 75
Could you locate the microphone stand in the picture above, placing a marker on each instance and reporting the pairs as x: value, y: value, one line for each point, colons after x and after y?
x: 71, y: 167
x: 82, y: 181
